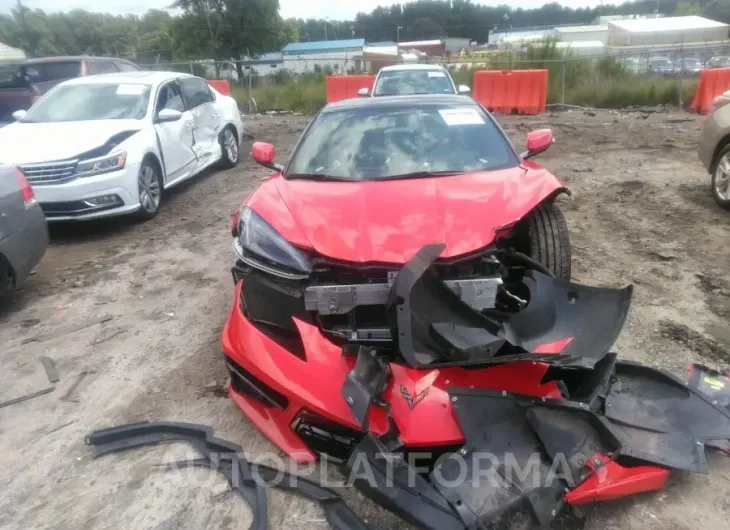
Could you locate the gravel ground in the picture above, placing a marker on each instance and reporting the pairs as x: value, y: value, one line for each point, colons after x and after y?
x: 641, y: 213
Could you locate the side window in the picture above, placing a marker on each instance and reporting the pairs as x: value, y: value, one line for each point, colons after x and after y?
x: 170, y: 97
x: 102, y: 67
x: 127, y: 67
x: 196, y: 91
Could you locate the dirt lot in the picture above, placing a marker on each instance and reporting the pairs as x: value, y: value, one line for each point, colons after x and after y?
x: 641, y: 213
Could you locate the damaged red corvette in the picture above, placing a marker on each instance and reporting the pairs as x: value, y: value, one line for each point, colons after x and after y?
x: 403, y: 284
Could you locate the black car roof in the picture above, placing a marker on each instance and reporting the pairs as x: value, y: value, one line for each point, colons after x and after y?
x: 416, y: 100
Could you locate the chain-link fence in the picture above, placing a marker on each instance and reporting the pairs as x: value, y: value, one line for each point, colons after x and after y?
x: 579, y: 73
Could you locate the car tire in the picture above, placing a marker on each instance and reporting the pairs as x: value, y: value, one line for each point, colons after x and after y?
x: 230, y: 148
x: 720, y: 182
x: 549, y: 240
x: 7, y: 279
x: 149, y: 183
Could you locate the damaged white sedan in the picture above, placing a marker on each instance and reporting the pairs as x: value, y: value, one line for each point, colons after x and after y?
x: 109, y: 145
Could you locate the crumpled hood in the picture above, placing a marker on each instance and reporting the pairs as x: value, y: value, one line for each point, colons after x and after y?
x: 389, y: 221
x: 25, y: 143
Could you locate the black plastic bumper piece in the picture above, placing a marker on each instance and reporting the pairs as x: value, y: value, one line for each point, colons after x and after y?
x: 663, y: 420
x: 418, y: 300
x: 125, y: 437
x: 558, y: 309
x: 399, y: 488
x: 434, y: 327
x: 716, y: 386
x: 337, y: 513
x: 514, y: 482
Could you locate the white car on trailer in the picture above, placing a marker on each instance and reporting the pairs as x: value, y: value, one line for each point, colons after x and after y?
x: 110, y: 144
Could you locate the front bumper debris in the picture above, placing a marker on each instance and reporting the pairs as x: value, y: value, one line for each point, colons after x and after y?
x: 538, y: 392
x: 143, y: 434
x: 229, y: 460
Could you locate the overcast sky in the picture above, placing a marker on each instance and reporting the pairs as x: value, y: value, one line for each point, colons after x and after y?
x: 334, y: 9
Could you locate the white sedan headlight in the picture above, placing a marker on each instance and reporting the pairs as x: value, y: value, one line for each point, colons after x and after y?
x: 104, y: 164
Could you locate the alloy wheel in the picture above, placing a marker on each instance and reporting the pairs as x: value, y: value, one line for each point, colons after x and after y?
x: 231, y: 145
x: 149, y: 189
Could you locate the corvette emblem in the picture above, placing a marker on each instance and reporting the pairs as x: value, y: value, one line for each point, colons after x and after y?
x: 411, y: 401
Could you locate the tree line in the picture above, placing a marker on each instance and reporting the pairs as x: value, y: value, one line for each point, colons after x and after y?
x: 233, y: 29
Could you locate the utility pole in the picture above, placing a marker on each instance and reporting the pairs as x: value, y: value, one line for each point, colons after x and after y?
x: 325, y: 28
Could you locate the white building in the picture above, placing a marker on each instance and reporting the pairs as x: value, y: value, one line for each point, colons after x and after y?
x: 591, y: 33
x: 335, y: 55
x: 670, y: 30
x: 10, y: 54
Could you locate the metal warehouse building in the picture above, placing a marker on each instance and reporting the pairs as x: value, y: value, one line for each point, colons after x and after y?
x: 582, y: 33
x: 338, y: 55
x: 671, y: 30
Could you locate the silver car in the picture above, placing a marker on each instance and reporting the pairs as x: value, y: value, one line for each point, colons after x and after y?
x: 23, y: 231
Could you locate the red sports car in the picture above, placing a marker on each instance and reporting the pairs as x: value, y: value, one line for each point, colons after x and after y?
x: 405, y: 259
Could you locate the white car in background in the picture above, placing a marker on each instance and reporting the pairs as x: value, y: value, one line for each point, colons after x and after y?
x: 411, y: 79
x: 110, y: 144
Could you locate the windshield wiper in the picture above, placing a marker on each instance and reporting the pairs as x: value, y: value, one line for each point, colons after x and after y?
x: 311, y: 176
x: 423, y: 174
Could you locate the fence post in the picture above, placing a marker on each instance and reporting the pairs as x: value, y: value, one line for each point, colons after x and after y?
x: 680, y: 75
x: 191, y: 68
x: 250, y: 94
x: 562, y: 84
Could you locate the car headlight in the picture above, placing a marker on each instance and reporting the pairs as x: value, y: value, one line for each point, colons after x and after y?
x: 261, y: 247
x: 102, y: 164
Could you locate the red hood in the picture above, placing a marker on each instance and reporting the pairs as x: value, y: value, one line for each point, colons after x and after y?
x: 389, y: 221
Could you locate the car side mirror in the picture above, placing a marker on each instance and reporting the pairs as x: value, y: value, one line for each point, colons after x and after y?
x: 264, y: 154
x: 538, y: 142
x: 463, y: 89
x: 168, y: 115
x: 19, y: 114
x: 363, y: 92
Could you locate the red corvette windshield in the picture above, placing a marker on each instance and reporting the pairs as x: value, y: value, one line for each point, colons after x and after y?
x: 391, y: 142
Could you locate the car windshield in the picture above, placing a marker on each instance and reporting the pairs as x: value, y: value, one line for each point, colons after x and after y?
x: 390, y: 142
x: 404, y: 82
x: 661, y: 62
x: 98, y: 101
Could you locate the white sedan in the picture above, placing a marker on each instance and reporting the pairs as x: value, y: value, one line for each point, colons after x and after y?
x: 110, y: 144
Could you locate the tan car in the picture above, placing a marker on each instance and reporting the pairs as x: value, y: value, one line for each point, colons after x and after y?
x: 715, y: 148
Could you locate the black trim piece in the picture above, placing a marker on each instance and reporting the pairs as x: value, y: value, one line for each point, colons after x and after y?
x: 367, y: 380
x: 135, y: 435
x: 73, y: 208
x: 245, y: 383
x: 272, y: 301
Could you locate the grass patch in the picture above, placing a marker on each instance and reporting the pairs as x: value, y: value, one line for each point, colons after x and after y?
x: 602, y: 83
x: 306, y: 94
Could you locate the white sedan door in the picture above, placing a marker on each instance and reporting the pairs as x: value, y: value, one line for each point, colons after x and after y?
x: 177, y: 138
x: 200, y: 101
